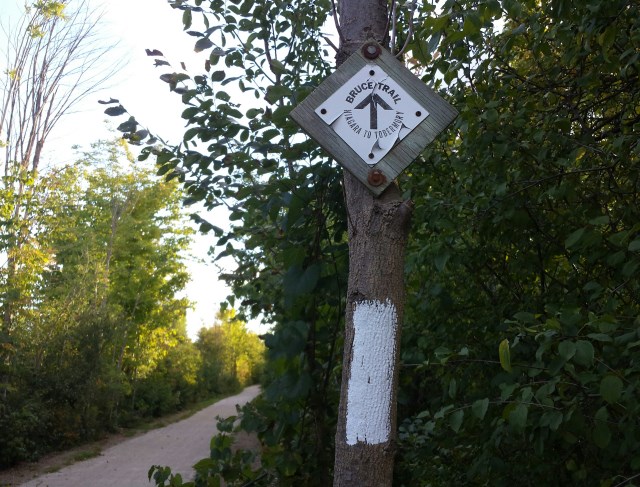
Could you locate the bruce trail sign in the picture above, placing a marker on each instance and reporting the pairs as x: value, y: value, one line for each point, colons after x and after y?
x: 373, y: 115
x: 371, y: 112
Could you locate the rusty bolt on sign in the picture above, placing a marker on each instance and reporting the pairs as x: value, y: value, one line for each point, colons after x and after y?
x: 376, y: 177
x: 371, y: 50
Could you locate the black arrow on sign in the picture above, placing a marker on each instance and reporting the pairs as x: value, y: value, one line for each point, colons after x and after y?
x: 373, y: 100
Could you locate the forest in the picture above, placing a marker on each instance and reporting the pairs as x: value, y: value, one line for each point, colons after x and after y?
x: 519, y: 355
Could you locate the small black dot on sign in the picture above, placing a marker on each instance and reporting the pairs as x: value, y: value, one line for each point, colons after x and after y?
x: 418, y: 114
x: 323, y: 111
x: 371, y: 156
x: 372, y: 72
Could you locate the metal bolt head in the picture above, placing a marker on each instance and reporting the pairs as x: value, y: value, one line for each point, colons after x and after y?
x: 371, y: 50
x: 376, y: 177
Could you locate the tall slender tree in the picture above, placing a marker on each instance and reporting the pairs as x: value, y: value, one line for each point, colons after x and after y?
x: 378, y: 230
x: 53, y: 59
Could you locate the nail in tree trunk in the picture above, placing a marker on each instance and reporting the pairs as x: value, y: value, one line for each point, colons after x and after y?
x: 378, y: 228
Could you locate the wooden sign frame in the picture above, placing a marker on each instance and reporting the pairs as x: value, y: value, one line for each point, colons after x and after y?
x: 441, y: 114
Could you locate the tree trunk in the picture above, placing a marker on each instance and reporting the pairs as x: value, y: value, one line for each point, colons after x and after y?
x: 378, y: 229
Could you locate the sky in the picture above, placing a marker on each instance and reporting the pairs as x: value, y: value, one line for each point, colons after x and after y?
x: 136, y: 25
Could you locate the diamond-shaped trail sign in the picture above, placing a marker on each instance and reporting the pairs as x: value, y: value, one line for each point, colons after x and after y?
x: 373, y: 115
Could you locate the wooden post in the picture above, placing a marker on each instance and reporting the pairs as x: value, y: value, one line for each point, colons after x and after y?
x: 378, y: 228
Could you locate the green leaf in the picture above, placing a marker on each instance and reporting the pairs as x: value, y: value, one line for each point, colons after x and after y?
x: 563, y: 124
x: 507, y: 390
x: 277, y: 67
x: 505, y: 355
x: 556, y: 365
x: 434, y: 42
x: 574, y: 238
x: 281, y: 114
x: 441, y: 261
x: 567, y: 349
x: 584, y: 353
x: 600, y: 337
x: 298, y: 281
x: 442, y: 354
x: 601, y: 220
x: 601, y: 434
x: 479, y: 408
x: 253, y: 112
x: 218, y: 76
x: 128, y: 126
x: 438, y: 23
x: 110, y: 101
x: 276, y: 93
x: 455, y: 420
x: 602, y: 414
x: 490, y: 115
x: 441, y: 413
x: 191, y: 133
x: 453, y: 388
x: 204, y: 464
x: 607, y: 38
x: 551, y: 419
x: 629, y: 269
x: 187, y: 18
x: 115, y: 111
x: 611, y: 388
x: 470, y: 27
x: 519, y: 30
x: 518, y: 417
x: 173, y: 78
x: 139, y: 135
x: 202, y: 44
x: 634, y: 245
x: 619, y: 239
x: 525, y: 317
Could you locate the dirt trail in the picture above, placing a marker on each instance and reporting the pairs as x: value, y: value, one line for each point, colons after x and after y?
x: 127, y: 464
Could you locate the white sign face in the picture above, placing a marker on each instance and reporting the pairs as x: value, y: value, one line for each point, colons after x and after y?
x: 371, y: 113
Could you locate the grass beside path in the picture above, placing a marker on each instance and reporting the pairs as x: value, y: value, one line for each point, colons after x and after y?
x: 52, y: 462
x: 154, y: 423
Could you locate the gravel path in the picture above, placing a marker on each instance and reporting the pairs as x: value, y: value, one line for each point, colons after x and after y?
x: 179, y: 445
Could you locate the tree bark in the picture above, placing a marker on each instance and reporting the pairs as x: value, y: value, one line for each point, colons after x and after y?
x: 378, y: 229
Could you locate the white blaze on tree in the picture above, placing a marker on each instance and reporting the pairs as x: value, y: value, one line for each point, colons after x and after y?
x: 371, y: 382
